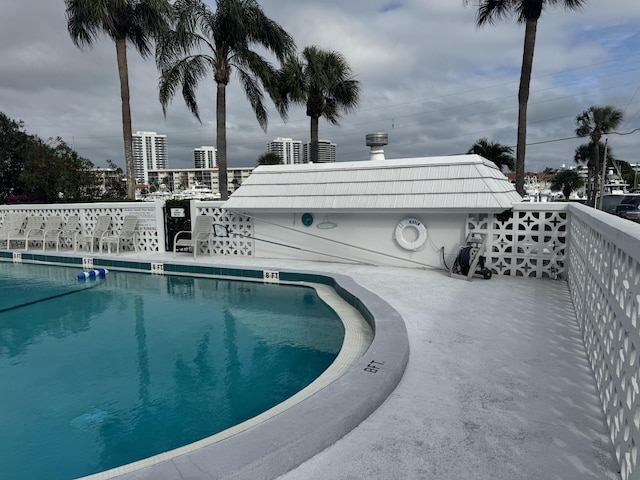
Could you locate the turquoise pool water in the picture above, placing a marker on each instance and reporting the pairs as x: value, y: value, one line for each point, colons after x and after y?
x: 99, y: 374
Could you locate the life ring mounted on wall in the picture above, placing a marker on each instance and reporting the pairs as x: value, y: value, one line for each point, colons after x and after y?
x: 411, y: 241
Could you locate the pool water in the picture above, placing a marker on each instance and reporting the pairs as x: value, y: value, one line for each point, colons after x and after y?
x: 98, y: 374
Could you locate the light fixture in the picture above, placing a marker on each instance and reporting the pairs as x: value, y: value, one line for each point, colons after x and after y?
x: 325, y: 224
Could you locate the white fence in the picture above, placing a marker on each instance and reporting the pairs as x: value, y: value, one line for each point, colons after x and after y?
x: 597, y: 253
x: 603, y: 271
x: 531, y: 243
x: 240, y: 229
x: 151, y: 231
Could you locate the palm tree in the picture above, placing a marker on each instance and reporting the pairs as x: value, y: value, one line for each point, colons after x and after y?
x: 322, y: 81
x: 270, y: 158
x: 207, y: 42
x: 566, y: 181
x: 527, y: 12
x: 595, y: 122
x: 585, y: 155
x: 136, y: 22
x: 501, y: 155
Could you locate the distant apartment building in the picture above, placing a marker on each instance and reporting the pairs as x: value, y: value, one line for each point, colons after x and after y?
x: 110, y: 181
x: 149, y: 153
x: 183, y: 178
x: 326, y: 152
x: 204, y: 157
x: 288, y: 149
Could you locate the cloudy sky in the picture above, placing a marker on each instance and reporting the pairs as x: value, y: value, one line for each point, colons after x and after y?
x: 430, y: 79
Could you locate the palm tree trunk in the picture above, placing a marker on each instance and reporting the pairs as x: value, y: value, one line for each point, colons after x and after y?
x: 523, y: 100
x: 221, y: 139
x: 314, y: 140
x: 595, y: 138
x: 589, y: 182
x: 127, y: 134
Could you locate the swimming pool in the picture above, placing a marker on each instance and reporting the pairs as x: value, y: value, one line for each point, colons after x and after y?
x: 106, y: 372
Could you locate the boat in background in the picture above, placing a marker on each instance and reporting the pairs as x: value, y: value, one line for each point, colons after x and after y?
x: 197, y: 192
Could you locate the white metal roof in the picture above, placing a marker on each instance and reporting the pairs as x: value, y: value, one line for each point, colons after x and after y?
x: 461, y: 182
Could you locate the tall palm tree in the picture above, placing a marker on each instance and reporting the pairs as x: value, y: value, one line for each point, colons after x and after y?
x: 501, y: 155
x: 322, y: 81
x: 217, y: 42
x: 527, y: 12
x: 585, y: 155
x: 595, y: 122
x: 136, y: 22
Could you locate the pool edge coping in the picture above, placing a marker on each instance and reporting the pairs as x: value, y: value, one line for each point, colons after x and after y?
x: 311, y: 425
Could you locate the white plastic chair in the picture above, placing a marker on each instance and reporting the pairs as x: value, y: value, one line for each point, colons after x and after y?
x: 68, y: 232
x: 202, y: 232
x: 34, y: 223
x: 128, y: 232
x: 12, y: 225
x: 51, y: 228
x: 101, y: 229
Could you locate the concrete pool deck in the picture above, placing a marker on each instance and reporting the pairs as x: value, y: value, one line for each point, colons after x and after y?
x: 497, y: 385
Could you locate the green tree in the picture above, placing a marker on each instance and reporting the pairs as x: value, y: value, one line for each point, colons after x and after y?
x: 54, y: 172
x: 114, y: 186
x: 566, y: 181
x: 14, y: 145
x: 595, y: 122
x: 527, y: 12
x: 322, y: 81
x: 218, y: 42
x: 501, y: 155
x: 270, y: 158
x: 126, y: 22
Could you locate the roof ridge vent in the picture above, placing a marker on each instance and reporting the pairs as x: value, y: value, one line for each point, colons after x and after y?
x: 377, y: 141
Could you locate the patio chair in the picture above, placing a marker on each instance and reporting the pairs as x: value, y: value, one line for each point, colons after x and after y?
x: 202, y: 232
x: 34, y: 223
x: 12, y: 224
x: 128, y: 232
x: 68, y: 232
x: 101, y: 229
x: 51, y: 228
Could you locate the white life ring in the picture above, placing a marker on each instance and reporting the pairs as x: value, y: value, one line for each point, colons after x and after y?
x: 420, y: 239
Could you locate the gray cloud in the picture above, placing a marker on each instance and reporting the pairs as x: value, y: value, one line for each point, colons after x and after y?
x: 429, y: 77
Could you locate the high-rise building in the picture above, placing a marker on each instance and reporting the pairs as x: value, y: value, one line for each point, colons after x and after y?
x: 326, y: 152
x: 149, y: 153
x: 287, y: 148
x: 204, y: 157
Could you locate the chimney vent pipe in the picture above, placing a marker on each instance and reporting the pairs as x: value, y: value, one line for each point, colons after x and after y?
x: 377, y: 141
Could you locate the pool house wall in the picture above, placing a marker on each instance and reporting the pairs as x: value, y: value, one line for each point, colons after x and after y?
x: 356, y: 237
x: 596, y: 253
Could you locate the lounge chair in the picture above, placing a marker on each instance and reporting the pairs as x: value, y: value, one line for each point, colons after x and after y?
x: 128, y: 232
x: 202, y: 232
x: 51, y: 228
x: 34, y: 223
x: 101, y: 229
x: 12, y: 225
x: 68, y: 232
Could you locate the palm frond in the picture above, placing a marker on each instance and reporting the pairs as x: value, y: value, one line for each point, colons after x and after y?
x: 185, y: 73
x: 253, y: 92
